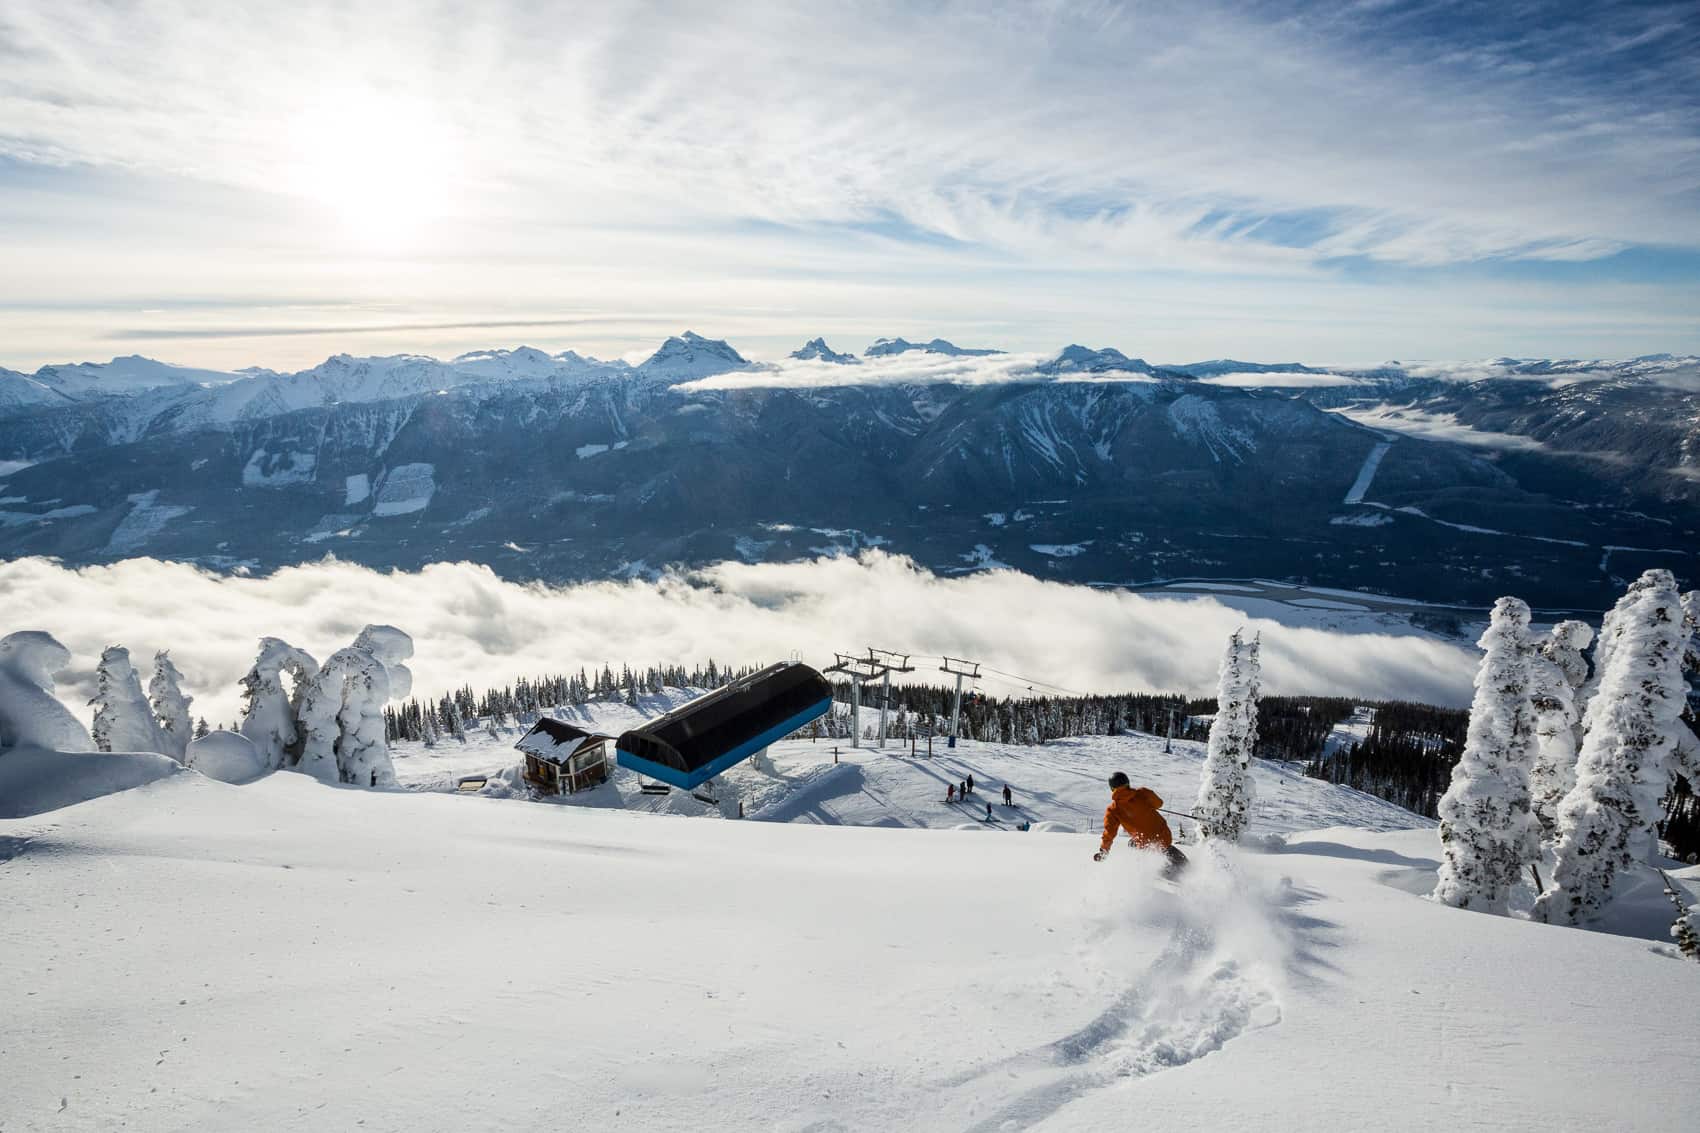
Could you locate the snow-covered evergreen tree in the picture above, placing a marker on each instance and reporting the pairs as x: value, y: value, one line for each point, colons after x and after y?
x: 321, y: 705
x: 1685, y: 929
x: 1226, y: 790
x: 170, y: 706
x: 122, y: 719
x: 1557, y: 671
x: 1488, y: 832
x: 342, y: 711
x: 1606, y: 822
x: 363, y: 754
x: 30, y: 714
x: 1685, y: 759
x: 269, y: 714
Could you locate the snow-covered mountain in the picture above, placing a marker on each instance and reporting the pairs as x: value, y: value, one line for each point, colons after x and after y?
x: 525, y: 363
x: 1219, y: 366
x: 883, y: 347
x: 129, y: 374
x: 20, y: 391
x: 1084, y: 360
x: 690, y: 356
x: 816, y: 350
x: 563, y: 467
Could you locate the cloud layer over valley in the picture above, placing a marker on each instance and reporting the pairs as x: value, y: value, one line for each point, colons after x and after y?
x: 474, y: 628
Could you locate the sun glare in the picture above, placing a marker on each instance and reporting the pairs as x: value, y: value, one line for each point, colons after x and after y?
x: 379, y: 166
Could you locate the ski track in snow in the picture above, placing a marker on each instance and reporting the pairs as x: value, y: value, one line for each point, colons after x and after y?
x: 1196, y: 996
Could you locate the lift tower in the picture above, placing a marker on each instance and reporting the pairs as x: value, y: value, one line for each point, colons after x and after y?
x: 887, y: 662
x: 959, y: 669
x: 856, y: 669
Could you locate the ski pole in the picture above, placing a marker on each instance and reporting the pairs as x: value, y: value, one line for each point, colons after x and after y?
x: 1180, y: 814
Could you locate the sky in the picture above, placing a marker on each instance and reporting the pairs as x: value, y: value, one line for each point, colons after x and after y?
x: 1336, y: 183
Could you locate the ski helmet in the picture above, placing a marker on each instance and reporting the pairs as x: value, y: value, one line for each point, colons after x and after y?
x: 1119, y: 779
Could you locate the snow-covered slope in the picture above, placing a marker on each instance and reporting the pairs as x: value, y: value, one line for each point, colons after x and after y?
x: 19, y: 392
x: 1062, y: 781
x: 292, y: 956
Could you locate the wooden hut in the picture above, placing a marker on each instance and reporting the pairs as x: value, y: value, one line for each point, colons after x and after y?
x: 561, y: 759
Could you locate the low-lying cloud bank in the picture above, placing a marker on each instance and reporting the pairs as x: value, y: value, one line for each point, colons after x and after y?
x: 1411, y: 421
x: 471, y: 627
x: 920, y: 368
x: 910, y: 368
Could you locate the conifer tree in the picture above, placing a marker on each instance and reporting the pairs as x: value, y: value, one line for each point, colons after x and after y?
x: 170, y: 706
x: 1488, y: 833
x: 30, y: 713
x: 1226, y: 791
x: 122, y: 719
x: 1606, y: 822
x: 269, y: 714
x: 1557, y: 671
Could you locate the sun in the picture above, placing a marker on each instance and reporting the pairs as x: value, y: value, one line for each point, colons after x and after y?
x: 379, y: 166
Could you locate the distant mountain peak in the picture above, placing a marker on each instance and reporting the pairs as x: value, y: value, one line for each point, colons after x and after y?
x: 883, y: 347
x: 1079, y: 359
x: 1216, y: 367
x: 816, y: 350
x: 690, y: 355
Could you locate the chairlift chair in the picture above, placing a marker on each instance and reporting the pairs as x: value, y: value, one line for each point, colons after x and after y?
x: 688, y: 746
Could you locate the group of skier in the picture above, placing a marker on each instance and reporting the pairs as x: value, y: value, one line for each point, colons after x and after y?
x: 959, y: 792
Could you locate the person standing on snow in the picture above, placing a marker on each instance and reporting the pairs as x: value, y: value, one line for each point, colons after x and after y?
x: 988, y: 812
x: 1135, y: 810
x: 970, y: 781
x: 1007, y: 796
x: 950, y: 792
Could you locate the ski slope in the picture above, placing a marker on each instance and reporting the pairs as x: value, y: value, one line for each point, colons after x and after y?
x: 288, y: 955
x: 1063, y: 781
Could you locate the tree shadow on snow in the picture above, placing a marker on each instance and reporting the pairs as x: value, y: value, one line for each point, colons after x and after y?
x: 1358, y: 853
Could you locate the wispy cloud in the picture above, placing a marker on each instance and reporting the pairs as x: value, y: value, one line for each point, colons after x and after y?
x: 456, y: 153
x: 1163, y: 132
x: 472, y: 627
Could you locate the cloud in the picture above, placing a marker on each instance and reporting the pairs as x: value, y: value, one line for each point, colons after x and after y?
x: 471, y: 627
x: 1437, y: 427
x: 910, y: 368
x: 1279, y: 380
x: 1215, y: 137
x: 239, y: 331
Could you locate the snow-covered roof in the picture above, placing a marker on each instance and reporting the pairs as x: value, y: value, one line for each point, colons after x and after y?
x: 556, y: 740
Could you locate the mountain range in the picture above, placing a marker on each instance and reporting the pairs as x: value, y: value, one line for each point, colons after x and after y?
x: 1561, y: 478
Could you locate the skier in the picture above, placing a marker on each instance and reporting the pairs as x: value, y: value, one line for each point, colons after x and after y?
x: 988, y: 812
x: 970, y: 781
x: 1136, y: 812
x: 963, y: 790
x: 1007, y: 797
x: 950, y: 792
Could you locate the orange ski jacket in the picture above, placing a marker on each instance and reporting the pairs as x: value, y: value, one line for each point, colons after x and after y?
x: 1134, y: 809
